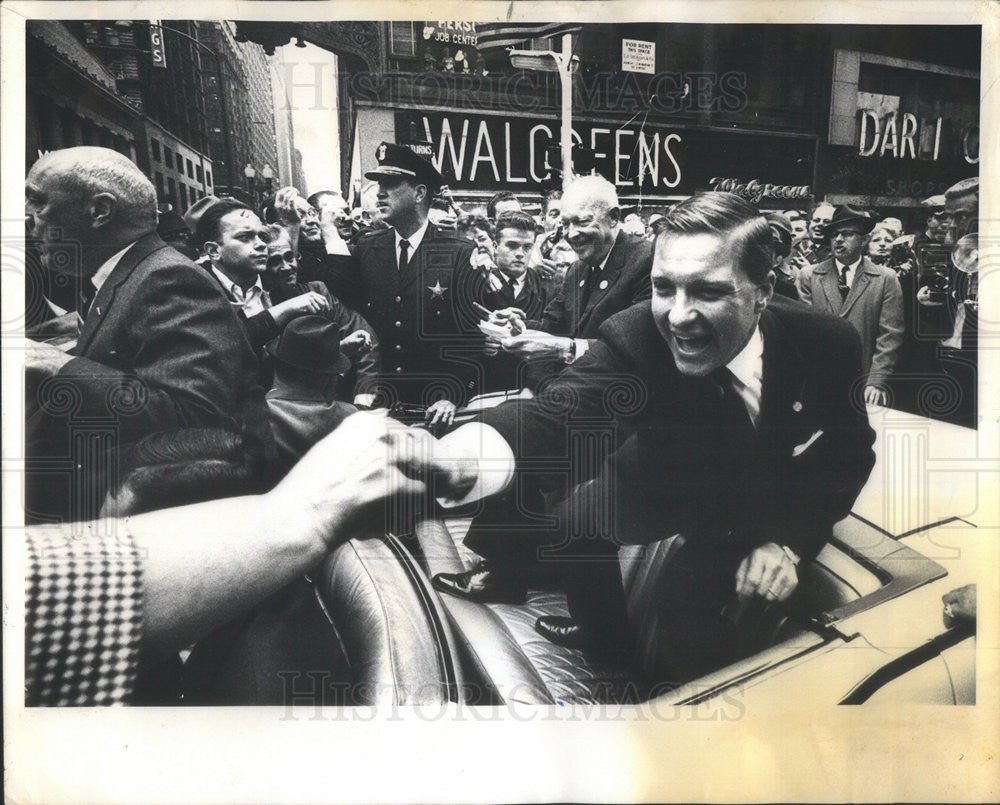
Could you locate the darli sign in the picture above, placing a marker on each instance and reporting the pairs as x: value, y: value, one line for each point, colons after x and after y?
x: 904, y: 136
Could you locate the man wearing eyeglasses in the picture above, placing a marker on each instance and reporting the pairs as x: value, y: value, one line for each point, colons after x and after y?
x: 813, y: 248
x: 869, y: 296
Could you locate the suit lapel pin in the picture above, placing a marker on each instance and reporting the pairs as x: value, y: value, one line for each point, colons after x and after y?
x: 582, y: 283
x: 603, y: 284
x: 97, y: 310
x: 797, y: 407
x: 437, y: 289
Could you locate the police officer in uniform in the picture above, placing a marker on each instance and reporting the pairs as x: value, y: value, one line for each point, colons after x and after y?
x: 414, y: 284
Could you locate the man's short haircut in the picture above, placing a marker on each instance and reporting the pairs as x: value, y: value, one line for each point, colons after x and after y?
x: 491, y: 206
x: 731, y: 216
x: 822, y: 204
x: 966, y: 187
x: 520, y: 221
x: 274, y: 232
x: 191, y: 465
x: 552, y: 195
x: 87, y: 170
x: 210, y: 225
x: 469, y: 221
x: 315, y: 199
x: 592, y: 191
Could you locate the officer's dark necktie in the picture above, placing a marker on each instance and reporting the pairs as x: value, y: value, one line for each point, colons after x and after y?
x: 404, y: 247
x: 842, y: 285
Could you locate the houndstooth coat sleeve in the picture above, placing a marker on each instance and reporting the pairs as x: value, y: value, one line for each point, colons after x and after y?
x: 83, y: 618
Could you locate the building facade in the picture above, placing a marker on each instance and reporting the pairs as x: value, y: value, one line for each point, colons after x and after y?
x: 183, y: 99
x: 785, y: 114
x: 240, y: 112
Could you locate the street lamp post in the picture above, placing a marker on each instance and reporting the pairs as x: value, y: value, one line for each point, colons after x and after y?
x: 565, y: 64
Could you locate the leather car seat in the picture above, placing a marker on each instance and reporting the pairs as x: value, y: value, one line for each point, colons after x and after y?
x: 390, y: 624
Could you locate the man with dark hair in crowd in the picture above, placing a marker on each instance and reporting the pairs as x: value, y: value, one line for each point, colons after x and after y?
x: 502, y: 202
x: 781, y: 235
x: 159, y: 347
x: 798, y: 223
x: 869, y: 296
x: 413, y: 282
x: 815, y: 248
x: 552, y: 210
x: 740, y: 433
x: 334, y: 207
x: 515, y: 287
x: 552, y: 234
x: 235, y: 241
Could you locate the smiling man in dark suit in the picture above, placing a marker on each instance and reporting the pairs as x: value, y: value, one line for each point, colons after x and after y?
x: 610, y: 274
x: 159, y: 346
x: 735, y: 427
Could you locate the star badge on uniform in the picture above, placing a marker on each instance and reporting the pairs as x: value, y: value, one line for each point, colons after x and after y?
x: 437, y: 290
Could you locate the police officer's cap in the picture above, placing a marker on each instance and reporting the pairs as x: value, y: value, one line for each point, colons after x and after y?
x: 399, y: 161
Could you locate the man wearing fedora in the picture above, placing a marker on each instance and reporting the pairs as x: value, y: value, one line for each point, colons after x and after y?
x: 414, y: 284
x: 869, y: 296
x: 309, y: 358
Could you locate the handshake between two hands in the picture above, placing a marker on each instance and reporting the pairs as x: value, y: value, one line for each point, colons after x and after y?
x: 348, y: 482
x: 506, y: 329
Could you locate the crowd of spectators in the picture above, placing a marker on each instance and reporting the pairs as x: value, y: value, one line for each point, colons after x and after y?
x: 215, y: 355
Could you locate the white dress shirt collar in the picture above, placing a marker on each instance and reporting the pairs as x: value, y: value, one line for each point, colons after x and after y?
x: 102, y: 274
x: 253, y: 300
x: 414, y: 239
x: 851, y: 269
x: 515, y: 284
x: 748, y: 370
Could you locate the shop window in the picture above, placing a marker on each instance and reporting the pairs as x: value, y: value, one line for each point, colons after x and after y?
x: 402, y: 40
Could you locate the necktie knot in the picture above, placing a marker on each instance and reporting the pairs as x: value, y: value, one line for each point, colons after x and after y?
x: 842, y: 281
